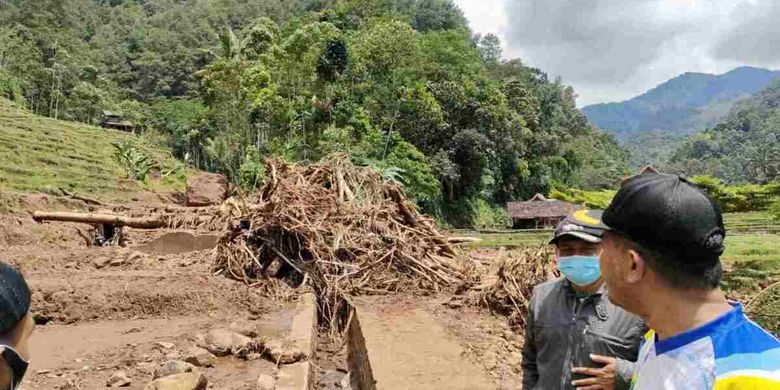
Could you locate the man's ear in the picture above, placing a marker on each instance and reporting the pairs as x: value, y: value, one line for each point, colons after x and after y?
x: 636, y: 267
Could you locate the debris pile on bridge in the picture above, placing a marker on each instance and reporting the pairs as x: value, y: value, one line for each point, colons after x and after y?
x: 342, y: 227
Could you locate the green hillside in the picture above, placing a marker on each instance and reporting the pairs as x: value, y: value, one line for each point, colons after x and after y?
x: 39, y: 154
x: 400, y: 85
x: 743, y: 148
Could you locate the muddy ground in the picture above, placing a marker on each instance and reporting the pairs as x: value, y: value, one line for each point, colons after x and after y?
x: 104, y: 310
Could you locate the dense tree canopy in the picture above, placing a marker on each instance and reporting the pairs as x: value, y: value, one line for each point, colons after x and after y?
x: 744, y: 148
x: 401, y: 85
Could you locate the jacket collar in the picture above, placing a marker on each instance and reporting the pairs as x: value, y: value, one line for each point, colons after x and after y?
x: 570, y: 288
x: 600, y: 300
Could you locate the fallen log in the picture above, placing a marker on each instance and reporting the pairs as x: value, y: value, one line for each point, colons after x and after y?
x: 110, y: 219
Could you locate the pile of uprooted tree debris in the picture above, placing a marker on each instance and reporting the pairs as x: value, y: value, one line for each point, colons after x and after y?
x: 341, y: 230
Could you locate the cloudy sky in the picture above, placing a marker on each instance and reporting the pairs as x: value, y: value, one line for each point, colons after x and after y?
x: 612, y: 50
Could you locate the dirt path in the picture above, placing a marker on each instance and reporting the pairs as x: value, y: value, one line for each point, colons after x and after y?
x: 409, y: 349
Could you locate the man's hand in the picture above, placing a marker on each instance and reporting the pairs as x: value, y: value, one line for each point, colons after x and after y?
x: 601, y: 378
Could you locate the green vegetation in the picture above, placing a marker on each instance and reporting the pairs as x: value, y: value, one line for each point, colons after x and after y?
x: 739, y: 248
x: 732, y: 199
x: 490, y: 217
x: 743, y: 148
x: 41, y: 154
x: 509, y: 239
x: 135, y: 163
x: 774, y: 210
x: 591, y: 199
x: 737, y: 221
x: 753, y: 264
x: 744, y: 198
x: 400, y: 85
x: 654, y: 148
x: 763, y: 248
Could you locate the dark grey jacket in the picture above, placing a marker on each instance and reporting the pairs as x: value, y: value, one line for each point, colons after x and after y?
x: 563, y: 330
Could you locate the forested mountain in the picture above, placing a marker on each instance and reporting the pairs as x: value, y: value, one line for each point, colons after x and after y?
x: 743, y: 148
x: 686, y: 104
x: 402, y: 85
x: 654, y: 124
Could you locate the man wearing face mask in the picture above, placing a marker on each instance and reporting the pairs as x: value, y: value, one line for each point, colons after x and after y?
x: 575, y: 338
x: 16, y: 327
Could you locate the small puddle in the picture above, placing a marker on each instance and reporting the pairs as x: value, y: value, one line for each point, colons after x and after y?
x: 179, y: 242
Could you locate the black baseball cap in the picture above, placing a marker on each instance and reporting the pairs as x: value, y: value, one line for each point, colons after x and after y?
x: 668, y: 214
x: 583, y: 224
x: 14, y: 298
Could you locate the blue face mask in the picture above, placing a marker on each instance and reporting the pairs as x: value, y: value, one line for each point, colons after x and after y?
x: 580, y: 270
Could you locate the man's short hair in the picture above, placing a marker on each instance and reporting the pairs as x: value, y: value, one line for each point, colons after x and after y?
x: 678, y: 274
x: 15, y: 298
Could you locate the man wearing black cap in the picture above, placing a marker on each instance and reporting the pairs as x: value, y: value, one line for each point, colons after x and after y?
x: 575, y: 338
x: 661, y: 260
x: 16, y: 327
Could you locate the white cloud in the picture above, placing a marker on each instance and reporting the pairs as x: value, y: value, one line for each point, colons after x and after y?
x: 612, y: 50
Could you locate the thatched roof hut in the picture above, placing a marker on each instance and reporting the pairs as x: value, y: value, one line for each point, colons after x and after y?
x: 647, y: 170
x: 539, y: 212
x: 115, y: 120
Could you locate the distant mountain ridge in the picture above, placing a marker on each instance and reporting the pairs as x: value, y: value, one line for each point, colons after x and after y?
x: 684, y: 105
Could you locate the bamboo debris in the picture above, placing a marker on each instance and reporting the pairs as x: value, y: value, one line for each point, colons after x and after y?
x: 507, y: 285
x: 342, y: 226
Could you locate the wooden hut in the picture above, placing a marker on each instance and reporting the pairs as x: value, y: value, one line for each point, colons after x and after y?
x: 539, y: 212
x: 113, y: 120
x: 647, y: 170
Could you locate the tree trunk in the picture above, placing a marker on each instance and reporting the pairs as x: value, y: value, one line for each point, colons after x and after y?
x: 116, y: 220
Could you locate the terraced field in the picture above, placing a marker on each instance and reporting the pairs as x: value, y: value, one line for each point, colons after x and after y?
x: 40, y: 154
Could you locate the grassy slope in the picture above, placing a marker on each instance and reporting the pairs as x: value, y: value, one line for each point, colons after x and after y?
x: 40, y: 154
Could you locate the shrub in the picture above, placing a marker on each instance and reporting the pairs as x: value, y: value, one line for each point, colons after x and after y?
x: 751, y: 197
x: 135, y: 163
x: 488, y: 216
x: 774, y: 210
x: 591, y: 199
x: 252, y: 171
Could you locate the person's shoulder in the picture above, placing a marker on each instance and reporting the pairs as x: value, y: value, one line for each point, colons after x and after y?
x: 747, y: 353
x: 744, y: 337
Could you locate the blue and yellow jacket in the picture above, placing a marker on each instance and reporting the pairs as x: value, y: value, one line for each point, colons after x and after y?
x: 730, y: 353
